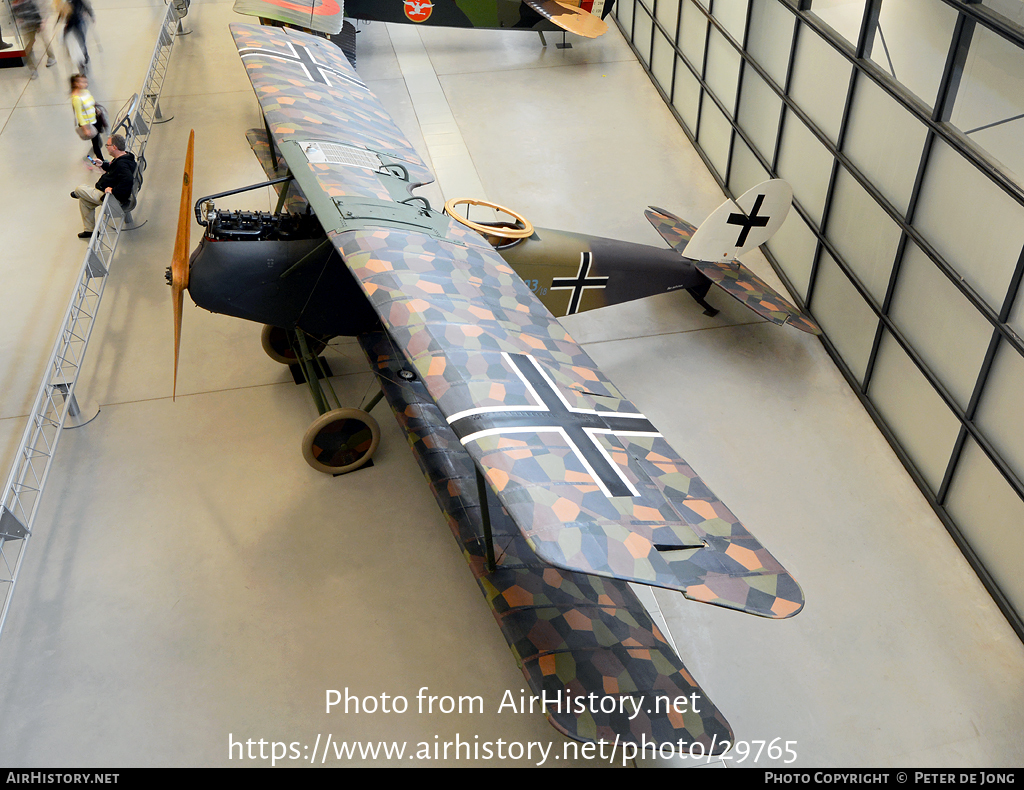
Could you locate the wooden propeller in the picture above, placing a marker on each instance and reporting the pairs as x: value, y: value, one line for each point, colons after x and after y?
x: 179, y: 263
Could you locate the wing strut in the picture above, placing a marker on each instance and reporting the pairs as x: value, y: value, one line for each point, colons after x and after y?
x: 273, y: 145
x: 485, y: 514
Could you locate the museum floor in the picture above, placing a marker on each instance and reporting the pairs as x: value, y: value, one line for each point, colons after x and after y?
x: 192, y: 582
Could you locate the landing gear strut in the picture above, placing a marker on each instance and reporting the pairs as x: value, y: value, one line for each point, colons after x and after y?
x: 280, y: 344
x: 341, y: 439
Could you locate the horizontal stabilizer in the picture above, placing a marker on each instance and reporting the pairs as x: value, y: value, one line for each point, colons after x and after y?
x: 677, y: 232
x: 738, y: 281
x: 569, y: 18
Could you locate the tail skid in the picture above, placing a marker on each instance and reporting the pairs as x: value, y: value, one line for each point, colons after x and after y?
x: 734, y: 228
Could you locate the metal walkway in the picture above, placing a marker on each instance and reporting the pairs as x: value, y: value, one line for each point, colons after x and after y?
x: 55, y: 406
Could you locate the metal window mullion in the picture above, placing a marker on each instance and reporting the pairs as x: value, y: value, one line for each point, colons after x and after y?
x: 735, y: 123
x: 979, y: 389
x: 868, y: 26
x: 967, y: 427
x: 1012, y: 293
x: 976, y: 12
x: 905, y: 224
x: 909, y: 102
x: 876, y: 341
x: 972, y: 407
x: 650, y: 44
x: 27, y: 440
x: 915, y: 195
x: 967, y: 424
x: 905, y: 235
x: 890, y: 289
x: 712, y: 20
x: 675, y: 52
x: 968, y: 291
x: 952, y: 71
x: 947, y: 521
x: 887, y: 324
x: 703, y: 76
x: 691, y: 136
x: 46, y: 395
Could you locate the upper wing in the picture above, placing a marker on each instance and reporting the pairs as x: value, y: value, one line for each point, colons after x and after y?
x: 275, y: 167
x: 573, y: 635
x: 587, y: 478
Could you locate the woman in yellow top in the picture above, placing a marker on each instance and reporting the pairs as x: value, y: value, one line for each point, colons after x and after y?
x: 84, y: 105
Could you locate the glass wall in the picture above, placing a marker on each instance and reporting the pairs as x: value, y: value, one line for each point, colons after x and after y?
x: 899, y: 125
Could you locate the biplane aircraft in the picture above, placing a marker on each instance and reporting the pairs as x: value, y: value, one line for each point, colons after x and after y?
x: 582, y: 17
x: 557, y: 488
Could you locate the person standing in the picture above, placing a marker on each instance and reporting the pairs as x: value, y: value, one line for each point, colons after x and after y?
x: 30, y: 23
x: 87, y: 124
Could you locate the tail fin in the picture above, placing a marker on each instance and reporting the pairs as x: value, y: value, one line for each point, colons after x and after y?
x: 734, y: 228
x: 738, y: 226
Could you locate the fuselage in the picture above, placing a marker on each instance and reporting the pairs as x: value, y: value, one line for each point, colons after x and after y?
x: 283, y: 271
x: 574, y: 272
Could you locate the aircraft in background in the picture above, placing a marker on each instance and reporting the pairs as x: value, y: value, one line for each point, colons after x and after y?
x: 558, y: 489
x: 582, y: 17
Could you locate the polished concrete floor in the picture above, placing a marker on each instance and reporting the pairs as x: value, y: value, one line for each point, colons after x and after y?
x: 192, y: 583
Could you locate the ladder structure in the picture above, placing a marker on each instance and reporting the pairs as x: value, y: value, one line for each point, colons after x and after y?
x: 55, y: 406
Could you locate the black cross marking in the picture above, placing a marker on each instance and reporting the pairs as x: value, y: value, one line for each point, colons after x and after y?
x: 300, y: 54
x: 578, y: 283
x: 753, y: 221
x: 578, y: 426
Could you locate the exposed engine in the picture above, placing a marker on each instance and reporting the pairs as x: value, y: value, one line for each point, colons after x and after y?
x: 223, y: 225
x: 276, y: 269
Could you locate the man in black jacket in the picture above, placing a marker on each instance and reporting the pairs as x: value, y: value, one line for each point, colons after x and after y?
x: 117, y: 179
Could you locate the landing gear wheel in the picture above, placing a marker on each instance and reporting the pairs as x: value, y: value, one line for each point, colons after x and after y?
x: 277, y: 343
x: 341, y: 441
x: 521, y: 230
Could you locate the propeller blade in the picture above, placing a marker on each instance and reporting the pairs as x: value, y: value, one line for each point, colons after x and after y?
x: 179, y: 263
